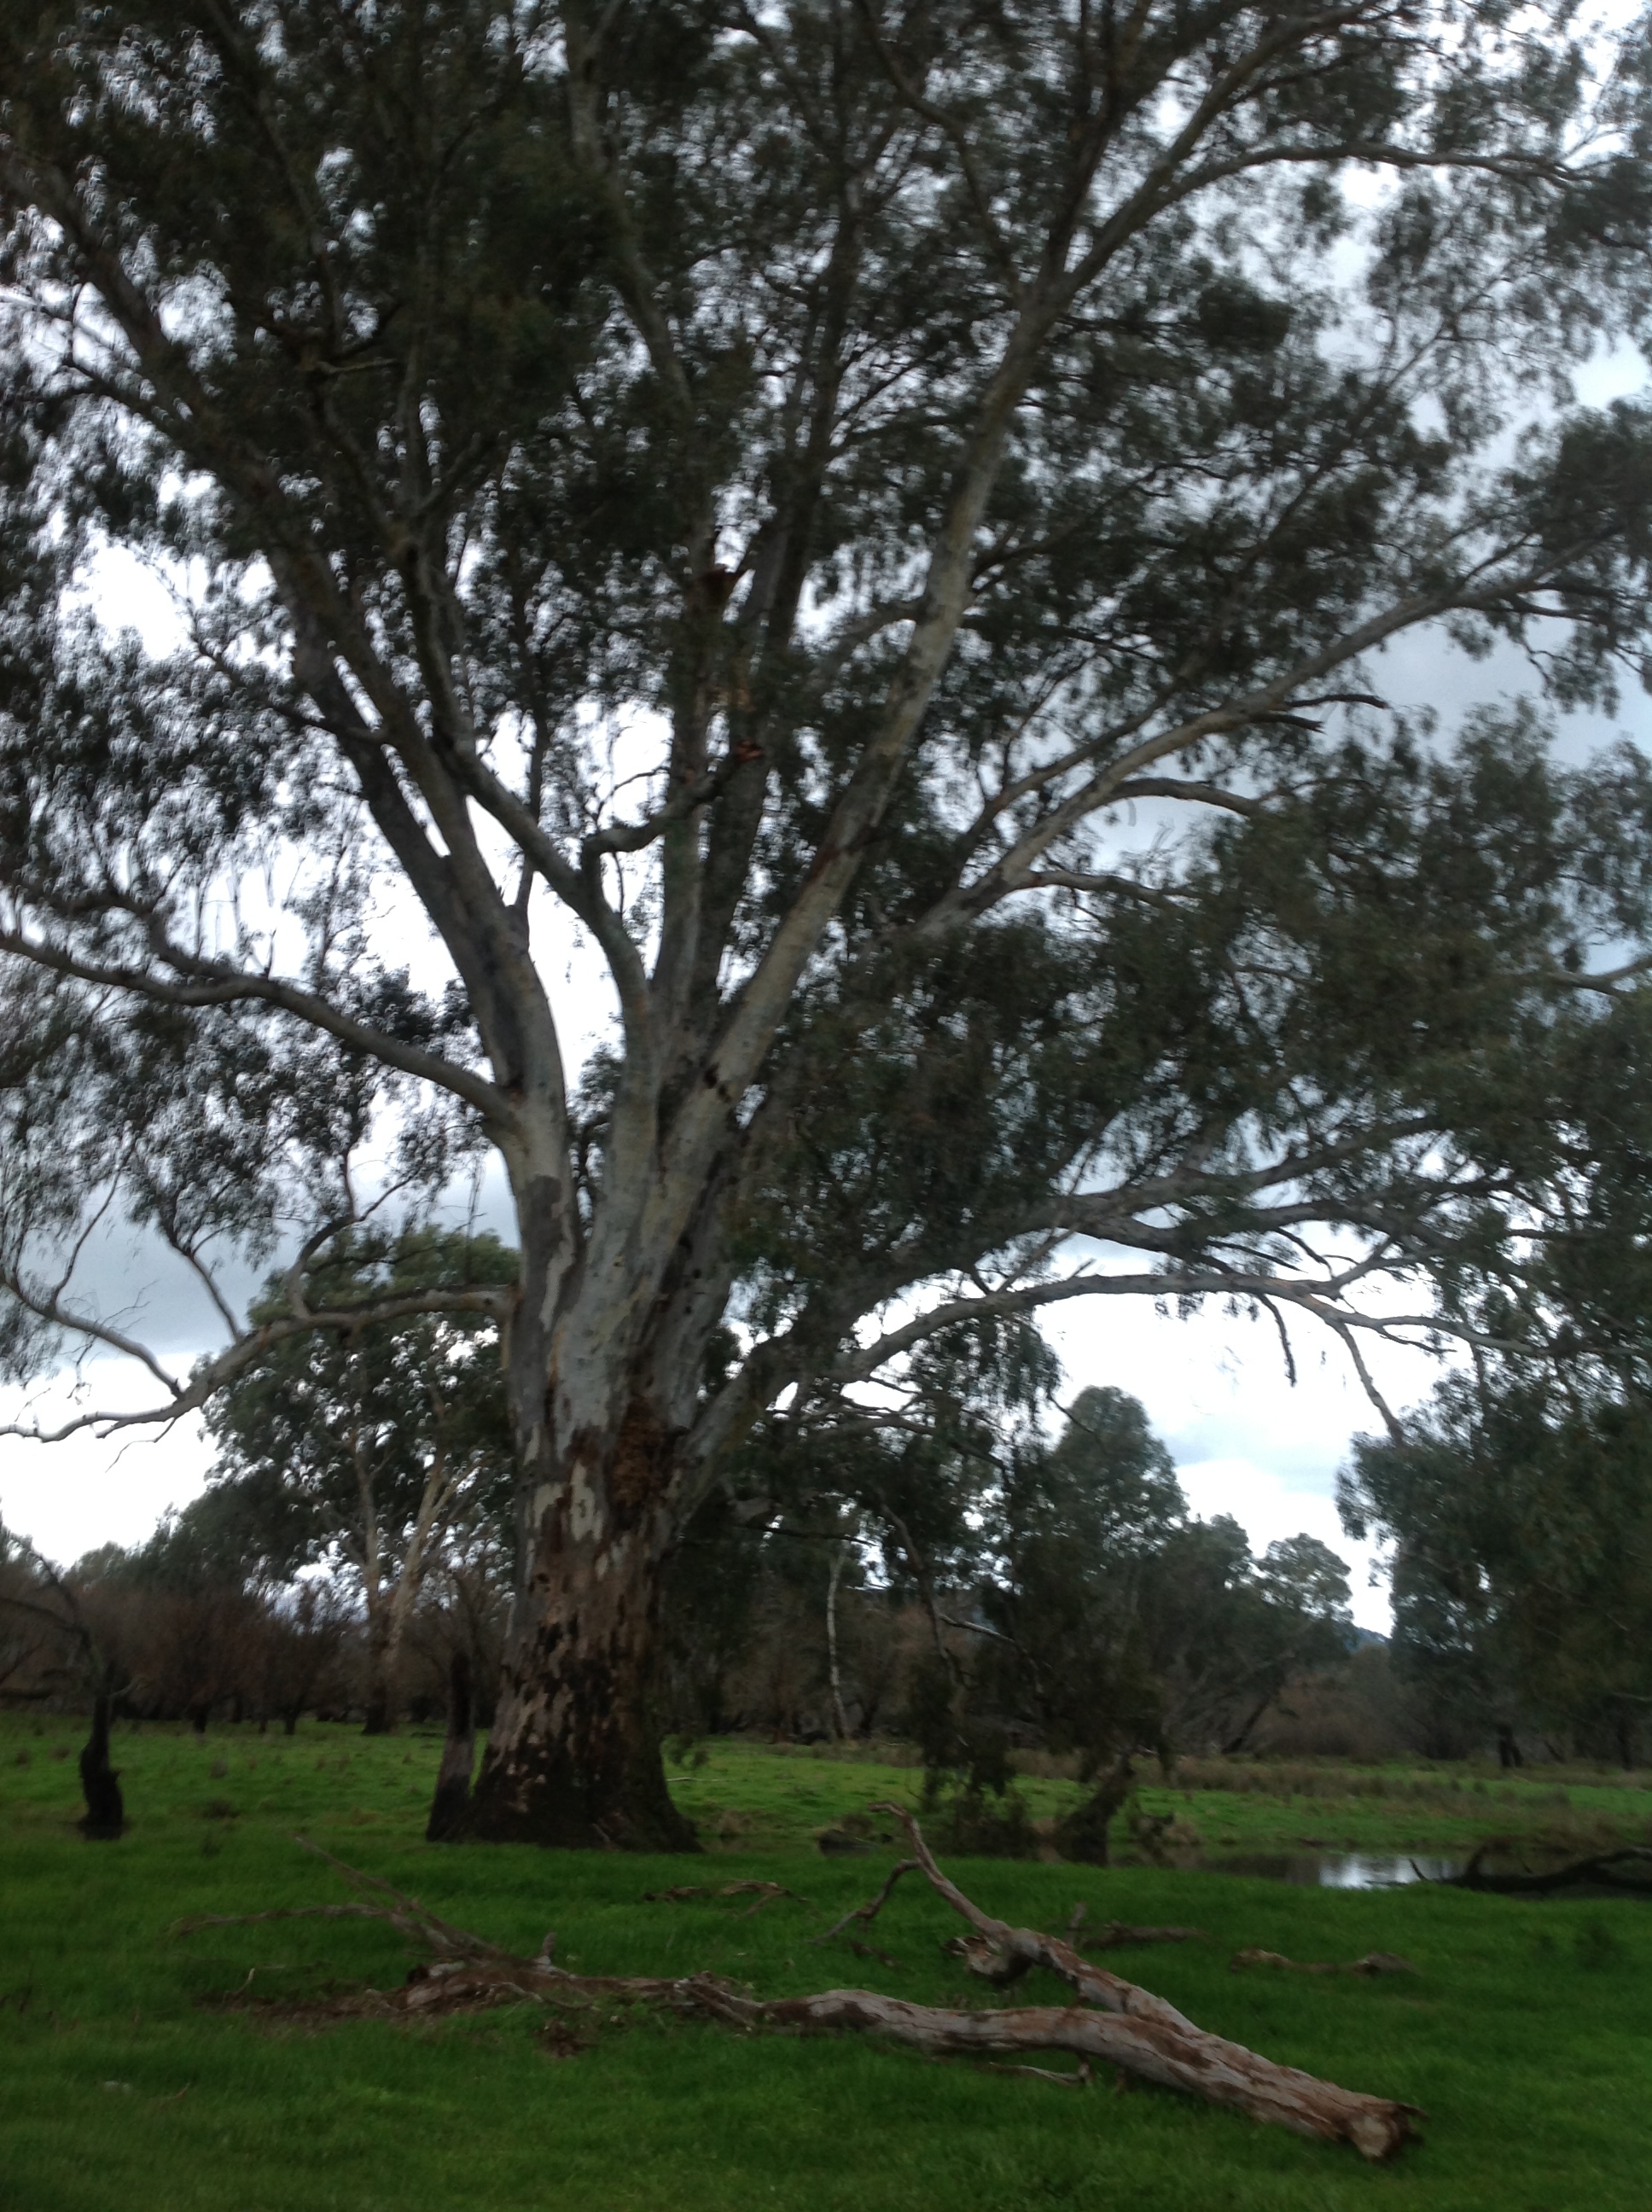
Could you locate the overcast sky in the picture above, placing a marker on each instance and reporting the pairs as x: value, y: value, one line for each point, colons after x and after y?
x: 1245, y: 1440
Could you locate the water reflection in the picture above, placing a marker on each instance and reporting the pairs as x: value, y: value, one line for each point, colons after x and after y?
x: 1336, y: 1869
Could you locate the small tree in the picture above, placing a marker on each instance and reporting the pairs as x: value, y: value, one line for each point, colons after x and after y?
x: 1115, y: 1624
x: 373, y: 1447
x: 64, y: 1649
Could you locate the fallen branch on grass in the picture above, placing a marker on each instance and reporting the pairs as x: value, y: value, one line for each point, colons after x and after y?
x: 404, y: 1914
x: 872, y: 1951
x: 1113, y: 2024
x: 1608, y: 1868
x: 1374, y: 1962
x: 765, y: 1891
x: 1153, y: 2039
x: 865, y: 1914
x: 1116, y: 1935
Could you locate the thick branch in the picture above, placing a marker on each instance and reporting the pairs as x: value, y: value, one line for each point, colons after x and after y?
x: 218, y: 985
x: 212, y: 1375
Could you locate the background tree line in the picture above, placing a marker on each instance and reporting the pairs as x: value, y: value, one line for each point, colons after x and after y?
x: 942, y: 1568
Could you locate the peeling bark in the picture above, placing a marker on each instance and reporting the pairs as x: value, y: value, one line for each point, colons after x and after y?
x: 573, y: 1757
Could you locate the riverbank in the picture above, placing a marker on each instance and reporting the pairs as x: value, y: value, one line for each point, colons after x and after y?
x: 747, y: 1795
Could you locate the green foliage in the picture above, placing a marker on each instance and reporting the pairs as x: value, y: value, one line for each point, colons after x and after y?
x: 329, y: 1442
x: 1124, y: 1625
x: 1521, y: 1515
x: 521, y: 396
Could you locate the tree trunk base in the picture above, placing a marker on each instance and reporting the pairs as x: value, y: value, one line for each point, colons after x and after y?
x: 552, y: 1807
x: 1084, y: 1836
x: 105, y: 1818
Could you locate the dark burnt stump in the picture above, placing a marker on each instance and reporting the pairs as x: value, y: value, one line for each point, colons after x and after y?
x: 105, y: 1819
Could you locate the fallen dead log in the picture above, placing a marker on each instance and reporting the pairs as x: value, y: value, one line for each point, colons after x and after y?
x: 1374, y: 1962
x: 688, y: 1892
x: 1117, y: 1935
x: 1161, y: 2043
x: 1113, y: 2024
x: 1613, y: 1869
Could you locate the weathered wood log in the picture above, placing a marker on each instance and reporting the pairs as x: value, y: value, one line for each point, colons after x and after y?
x: 1178, y: 2057
x: 1161, y: 2043
x: 1113, y: 2024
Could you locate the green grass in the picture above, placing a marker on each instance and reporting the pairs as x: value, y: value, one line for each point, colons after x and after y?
x: 1526, y: 2034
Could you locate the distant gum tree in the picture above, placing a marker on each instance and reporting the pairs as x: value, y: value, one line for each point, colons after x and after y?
x: 875, y: 525
x: 372, y: 1449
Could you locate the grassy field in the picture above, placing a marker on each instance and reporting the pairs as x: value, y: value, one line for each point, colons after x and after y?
x: 130, y: 2082
x: 746, y: 1797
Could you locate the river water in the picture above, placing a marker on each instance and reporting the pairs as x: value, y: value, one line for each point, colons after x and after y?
x: 1335, y: 1869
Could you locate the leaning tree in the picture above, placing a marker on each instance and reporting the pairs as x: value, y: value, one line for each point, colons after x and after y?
x: 872, y: 528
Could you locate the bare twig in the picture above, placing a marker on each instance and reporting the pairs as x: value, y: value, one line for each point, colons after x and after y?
x: 865, y: 1914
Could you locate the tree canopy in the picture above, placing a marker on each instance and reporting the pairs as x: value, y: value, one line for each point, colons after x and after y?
x: 877, y: 528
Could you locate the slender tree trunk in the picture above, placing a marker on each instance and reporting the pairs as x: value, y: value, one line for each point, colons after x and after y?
x: 380, y: 1716
x: 452, y: 1797
x: 573, y: 1756
x: 387, y: 1620
x: 840, y: 1718
x: 105, y: 1819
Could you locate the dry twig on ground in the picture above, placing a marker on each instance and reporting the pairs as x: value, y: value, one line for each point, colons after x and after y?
x: 1374, y: 1962
x: 1117, y: 1934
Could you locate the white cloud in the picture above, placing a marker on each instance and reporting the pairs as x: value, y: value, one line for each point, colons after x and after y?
x: 1266, y: 1509
x: 70, y: 1496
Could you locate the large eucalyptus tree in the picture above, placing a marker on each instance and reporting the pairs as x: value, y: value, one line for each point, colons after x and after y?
x: 875, y: 524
